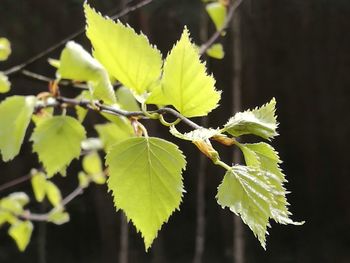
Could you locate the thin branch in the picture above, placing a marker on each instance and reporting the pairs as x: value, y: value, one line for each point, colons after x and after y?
x: 15, y: 182
x: 76, y: 34
x: 233, y: 7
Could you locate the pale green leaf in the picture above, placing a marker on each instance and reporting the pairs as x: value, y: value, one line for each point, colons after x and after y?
x: 21, y: 232
x: 53, y: 193
x: 265, y: 157
x: 77, y: 64
x: 126, y: 99
x: 11, y: 205
x: 54, y: 62
x: 39, y: 186
x: 185, y: 83
x: 259, y: 121
x: 201, y: 134
x: 126, y: 55
x: 92, y: 144
x: 217, y: 13
x: 98, y: 178
x: 92, y: 163
x: 83, y: 179
x: 15, y: 115
x: 43, y: 114
x: 216, y: 51
x: 57, y: 142
x: 246, y: 192
x: 5, y: 84
x: 112, y: 133
x: 58, y: 216
x: 146, y: 181
x: 19, y: 197
x: 5, y: 48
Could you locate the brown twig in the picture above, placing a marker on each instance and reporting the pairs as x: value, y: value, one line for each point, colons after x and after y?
x: 15, y: 182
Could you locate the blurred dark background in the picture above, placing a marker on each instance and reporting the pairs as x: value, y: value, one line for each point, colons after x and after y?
x: 297, y: 51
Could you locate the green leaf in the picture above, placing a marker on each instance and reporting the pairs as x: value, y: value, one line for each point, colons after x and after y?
x: 217, y: 13
x: 19, y: 197
x: 92, y: 163
x: 259, y: 121
x: 146, y: 181
x: 185, y: 83
x: 6, y: 217
x: 5, y: 84
x: 127, y: 56
x: 77, y: 64
x: 127, y: 100
x: 39, y: 186
x: 57, y: 142
x: 15, y: 115
x: 5, y: 48
x: 216, y: 51
x: 11, y: 205
x: 201, y: 134
x: 58, y: 216
x: 21, y: 232
x: 265, y: 157
x: 83, y: 179
x: 247, y: 193
x: 112, y: 133
x: 53, y: 193
x: 41, y: 115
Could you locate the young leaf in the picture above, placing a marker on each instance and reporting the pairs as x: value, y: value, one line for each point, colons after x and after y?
x: 21, y: 232
x: 39, y: 186
x: 185, y: 83
x: 127, y: 56
x: 146, y: 181
x: 83, y: 179
x: 53, y: 193
x: 5, y: 85
x: 112, y: 133
x: 92, y: 163
x: 77, y: 64
x: 15, y: 115
x: 126, y: 99
x: 216, y: 51
x: 57, y: 142
x: 217, y: 13
x: 5, y: 48
x: 265, y: 157
x: 201, y: 134
x: 58, y: 216
x: 259, y: 121
x: 247, y: 193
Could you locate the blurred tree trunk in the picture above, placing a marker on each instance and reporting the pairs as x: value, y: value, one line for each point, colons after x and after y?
x: 238, y: 238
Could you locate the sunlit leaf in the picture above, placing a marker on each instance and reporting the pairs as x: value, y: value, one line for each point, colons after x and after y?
x: 53, y: 193
x: 92, y: 163
x: 77, y: 64
x: 21, y: 232
x: 5, y: 84
x: 201, y: 134
x: 126, y: 99
x: 146, y: 181
x: 39, y: 186
x: 15, y: 115
x: 83, y: 179
x: 126, y: 55
x: 185, y: 83
x: 216, y: 51
x: 259, y: 121
x: 57, y: 142
x: 217, y: 13
x: 58, y: 216
x: 5, y: 48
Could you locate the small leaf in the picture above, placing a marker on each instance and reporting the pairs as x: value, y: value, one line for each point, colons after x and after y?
x: 53, y: 193
x: 39, y: 186
x: 91, y: 144
x: 58, y: 216
x: 216, y: 51
x: 83, y: 179
x: 217, y: 13
x: 21, y: 232
x: 126, y: 99
x: 6, y: 217
x: 112, y: 133
x: 15, y: 115
x: 146, y: 181
x: 5, y: 84
x: 11, y: 205
x: 185, y: 83
x: 57, y: 142
x: 77, y: 64
x: 246, y: 192
x: 19, y: 197
x: 259, y: 121
x: 92, y: 163
x: 127, y: 56
x: 201, y: 134
x: 5, y: 48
